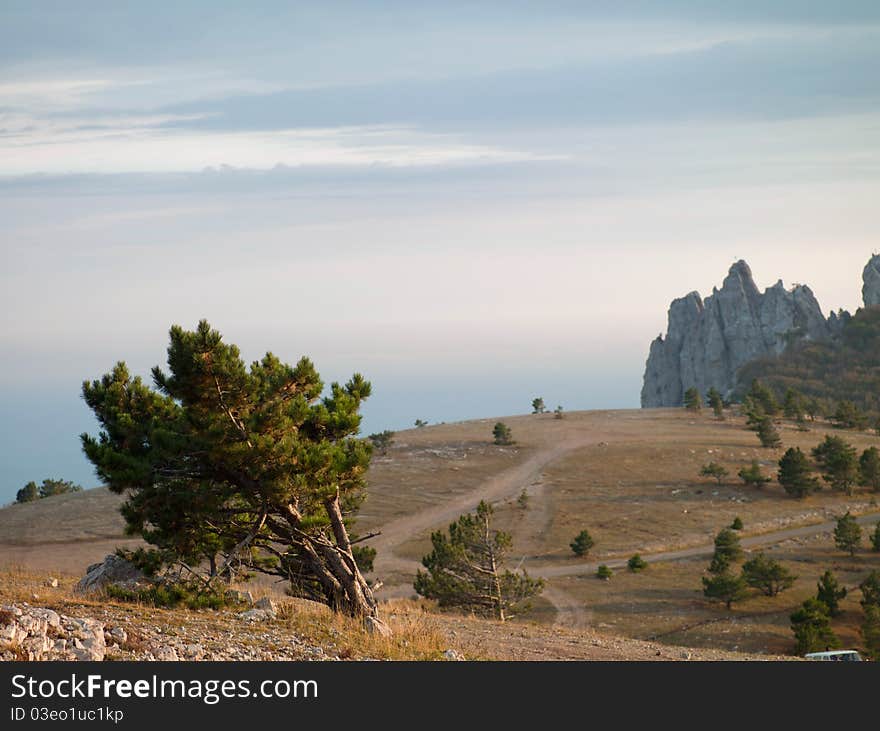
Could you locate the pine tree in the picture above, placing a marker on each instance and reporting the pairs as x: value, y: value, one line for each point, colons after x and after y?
x: 737, y: 524
x: 752, y: 475
x: 636, y: 563
x: 538, y: 406
x: 875, y: 538
x: 502, y: 434
x: 871, y: 632
x: 767, y: 574
x: 714, y: 470
x: 847, y: 534
x: 793, y: 405
x: 848, y: 416
x: 795, y: 474
x: 727, y: 551
x: 767, y: 433
x: 870, y: 588
x: 692, y: 399
x: 51, y: 487
x: 830, y: 593
x: 839, y: 463
x: 604, y: 573
x: 812, y: 628
x: 764, y: 397
x: 251, y: 465
x: 28, y: 493
x: 466, y: 569
x: 382, y: 441
x: 724, y: 587
x: 716, y: 402
x: 869, y: 469
x: 581, y: 544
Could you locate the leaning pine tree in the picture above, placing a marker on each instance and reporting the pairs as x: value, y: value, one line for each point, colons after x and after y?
x: 226, y: 466
x: 466, y: 569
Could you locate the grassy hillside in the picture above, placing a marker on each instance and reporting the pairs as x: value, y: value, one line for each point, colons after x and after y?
x: 629, y: 477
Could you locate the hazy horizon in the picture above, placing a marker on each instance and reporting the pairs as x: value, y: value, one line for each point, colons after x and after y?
x: 472, y: 205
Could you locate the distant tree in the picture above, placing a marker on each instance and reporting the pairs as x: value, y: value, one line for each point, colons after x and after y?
x: 51, y: 487
x: 811, y: 625
x: 636, y: 563
x: 558, y: 412
x: 870, y: 589
x: 28, y: 493
x: 830, y: 593
x: 48, y: 488
x: 502, y: 434
x: 767, y: 575
x: 752, y: 475
x: 420, y: 423
x: 724, y: 587
x: 813, y: 408
x: 839, y: 463
x: 692, y: 399
x: 716, y: 402
x: 581, y: 544
x: 727, y: 551
x: 869, y: 469
x: 764, y: 397
x: 737, y: 524
x: 522, y: 501
x: 871, y: 632
x: 848, y: 416
x: 382, y: 440
x: 604, y: 573
x: 767, y: 433
x: 875, y: 538
x: 538, y: 406
x: 847, y: 534
x: 795, y: 474
x: 793, y: 405
x: 754, y: 413
x: 466, y: 569
x: 715, y: 471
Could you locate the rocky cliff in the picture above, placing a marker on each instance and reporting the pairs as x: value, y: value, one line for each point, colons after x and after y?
x: 709, y: 340
x: 871, y: 282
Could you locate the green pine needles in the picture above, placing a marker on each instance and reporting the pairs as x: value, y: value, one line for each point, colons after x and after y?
x: 227, y: 466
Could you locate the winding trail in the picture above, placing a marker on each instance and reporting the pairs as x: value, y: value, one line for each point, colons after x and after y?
x: 505, y: 484
x: 509, y: 483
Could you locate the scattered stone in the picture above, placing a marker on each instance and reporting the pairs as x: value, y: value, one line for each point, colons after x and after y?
x: 52, y: 583
x: 376, y: 626
x: 453, y: 655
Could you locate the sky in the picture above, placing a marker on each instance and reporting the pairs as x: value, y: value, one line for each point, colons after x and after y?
x: 473, y: 204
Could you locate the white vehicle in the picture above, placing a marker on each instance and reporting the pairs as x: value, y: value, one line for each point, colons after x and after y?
x: 835, y: 656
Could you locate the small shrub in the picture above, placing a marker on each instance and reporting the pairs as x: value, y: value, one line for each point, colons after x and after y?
x: 636, y: 564
x: 737, y: 523
x: 604, y: 573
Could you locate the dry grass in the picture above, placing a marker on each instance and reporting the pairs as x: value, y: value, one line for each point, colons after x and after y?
x: 665, y: 602
x: 643, y: 493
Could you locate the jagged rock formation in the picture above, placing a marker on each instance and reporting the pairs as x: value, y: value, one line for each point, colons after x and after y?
x: 871, y: 282
x: 709, y: 340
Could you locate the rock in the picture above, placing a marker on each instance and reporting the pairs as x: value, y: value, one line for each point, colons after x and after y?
x: 52, y: 583
x: 708, y: 341
x: 453, y: 655
x: 164, y: 653
x: 118, y: 635
x: 256, y: 615
x: 376, y: 626
x: 245, y: 597
x: 267, y: 604
x: 112, y: 570
x: 871, y: 282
